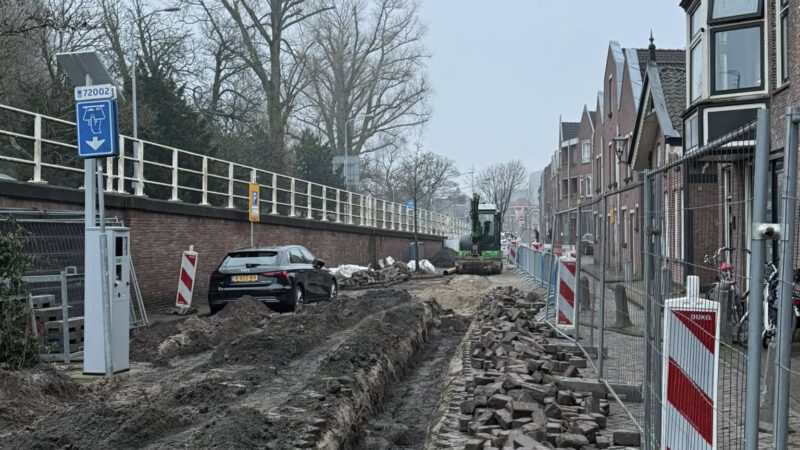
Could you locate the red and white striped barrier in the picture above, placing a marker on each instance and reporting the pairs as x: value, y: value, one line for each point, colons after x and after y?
x: 186, y: 279
x: 690, y: 371
x: 512, y: 254
x: 557, y: 250
x: 565, y: 303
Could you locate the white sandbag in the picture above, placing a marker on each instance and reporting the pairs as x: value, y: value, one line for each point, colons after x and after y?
x: 347, y: 270
x: 424, y: 265
x: 389, y: 261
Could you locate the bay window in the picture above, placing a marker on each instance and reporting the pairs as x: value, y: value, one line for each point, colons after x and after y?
x: 737, y: 62
x: 734, y: 9
x: 695, y: 53
x: 691, y: 134
x: 696, y: 72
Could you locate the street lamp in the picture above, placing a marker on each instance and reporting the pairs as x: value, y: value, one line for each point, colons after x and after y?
x: 135, y: 65
x: 347, y: 143
x: 134, y: 111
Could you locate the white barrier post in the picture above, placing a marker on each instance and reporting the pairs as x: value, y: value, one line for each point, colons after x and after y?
x: 690, y: 371
x: 565, y: 293
x: 186, y: 279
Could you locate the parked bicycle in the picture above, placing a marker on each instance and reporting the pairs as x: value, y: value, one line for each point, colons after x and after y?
x: 738, y: 298
x: 769, y: 296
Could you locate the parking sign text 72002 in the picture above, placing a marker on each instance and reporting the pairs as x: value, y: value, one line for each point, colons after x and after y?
x: 95, y: 92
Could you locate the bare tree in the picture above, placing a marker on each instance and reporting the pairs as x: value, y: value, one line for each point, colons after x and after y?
x: 421, y: 175
x: 21, y: 17
x: 225, y: 90
x: 367, y: 84
x: 380, y: 173
x: 265, y: 28
x: 498, y: 181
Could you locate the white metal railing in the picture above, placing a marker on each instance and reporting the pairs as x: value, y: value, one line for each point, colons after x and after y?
x: 43, y: 148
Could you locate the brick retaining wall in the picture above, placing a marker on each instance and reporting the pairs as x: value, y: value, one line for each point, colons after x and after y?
x: 161, y: 230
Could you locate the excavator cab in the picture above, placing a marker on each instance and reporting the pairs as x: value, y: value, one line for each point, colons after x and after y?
x: 479, y: 252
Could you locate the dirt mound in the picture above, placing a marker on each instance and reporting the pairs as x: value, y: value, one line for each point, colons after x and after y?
x: 163, y: 341
x: 245, y: 310
x: 444, y: 258
x: 26, y: 394
x: 290, y: 336
x: 259, y: 385
x: 144, y: 344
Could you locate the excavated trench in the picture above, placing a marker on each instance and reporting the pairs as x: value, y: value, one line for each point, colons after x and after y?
x: 365, y: 371
x: 409, y: 405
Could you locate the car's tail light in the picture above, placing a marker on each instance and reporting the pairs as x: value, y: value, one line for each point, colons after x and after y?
x: 282, y: 274
x: 217, y: 275
x: 796, y: 301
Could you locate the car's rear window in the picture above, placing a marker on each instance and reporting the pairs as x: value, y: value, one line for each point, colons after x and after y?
x: 240, y: 260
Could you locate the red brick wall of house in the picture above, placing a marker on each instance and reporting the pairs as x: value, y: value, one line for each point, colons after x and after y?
x: 158, y: 238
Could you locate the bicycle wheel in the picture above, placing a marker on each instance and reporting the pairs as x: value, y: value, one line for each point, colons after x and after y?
x: 741, y: 332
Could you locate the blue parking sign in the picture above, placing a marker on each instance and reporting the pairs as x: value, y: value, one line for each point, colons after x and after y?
x: 97, y: 128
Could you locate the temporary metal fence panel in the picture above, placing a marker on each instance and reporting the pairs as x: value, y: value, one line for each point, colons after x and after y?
x: 697, y: 224
x: 786, y: 305
x: 58, y: 313
x: 41, y: 149
x: 637, y: 243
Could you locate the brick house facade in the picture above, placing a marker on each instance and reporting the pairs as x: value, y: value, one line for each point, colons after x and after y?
x: 737, y: 63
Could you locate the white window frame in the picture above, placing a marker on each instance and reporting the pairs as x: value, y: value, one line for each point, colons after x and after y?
x: 677, y: 213
x: 695, y: 43
x: 781, y: 10
x: 589, y: 191
x: 667, y: 217
x: 757, y: 24
x: 586, y: 150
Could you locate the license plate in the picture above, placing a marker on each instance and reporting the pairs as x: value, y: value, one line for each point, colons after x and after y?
x: 244, y: 278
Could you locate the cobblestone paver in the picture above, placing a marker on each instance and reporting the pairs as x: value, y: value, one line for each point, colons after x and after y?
x: 624, y: 364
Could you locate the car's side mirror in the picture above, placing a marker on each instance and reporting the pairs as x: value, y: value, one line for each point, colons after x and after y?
x: 318, y: 263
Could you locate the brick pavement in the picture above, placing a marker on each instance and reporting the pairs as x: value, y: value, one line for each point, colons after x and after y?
x: 624, y: 364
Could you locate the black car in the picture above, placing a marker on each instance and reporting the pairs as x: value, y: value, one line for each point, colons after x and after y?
x: 284, y: 278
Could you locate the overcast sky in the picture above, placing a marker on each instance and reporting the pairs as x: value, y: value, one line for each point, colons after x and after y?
x: 504, y: 70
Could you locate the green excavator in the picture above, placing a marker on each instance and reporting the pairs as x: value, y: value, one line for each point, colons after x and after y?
x: 479, y: 251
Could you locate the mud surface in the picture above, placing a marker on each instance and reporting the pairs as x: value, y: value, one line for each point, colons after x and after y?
x: 27, y: 394
x: 409, y: 405
x: 460, y: 293
x: 365, y: 370
x: 241, y: 379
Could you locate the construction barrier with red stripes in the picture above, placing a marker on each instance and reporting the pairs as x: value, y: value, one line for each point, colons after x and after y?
x: 565, y: 303
x: 186, y: 278
x: 690, y: 371
x: 512, y: 254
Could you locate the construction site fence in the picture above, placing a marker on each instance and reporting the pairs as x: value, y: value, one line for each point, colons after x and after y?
x: 674, y: 273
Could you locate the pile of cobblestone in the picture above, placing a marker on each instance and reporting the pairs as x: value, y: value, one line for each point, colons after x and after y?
x: 518, y: 395
x: 369, y: 278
